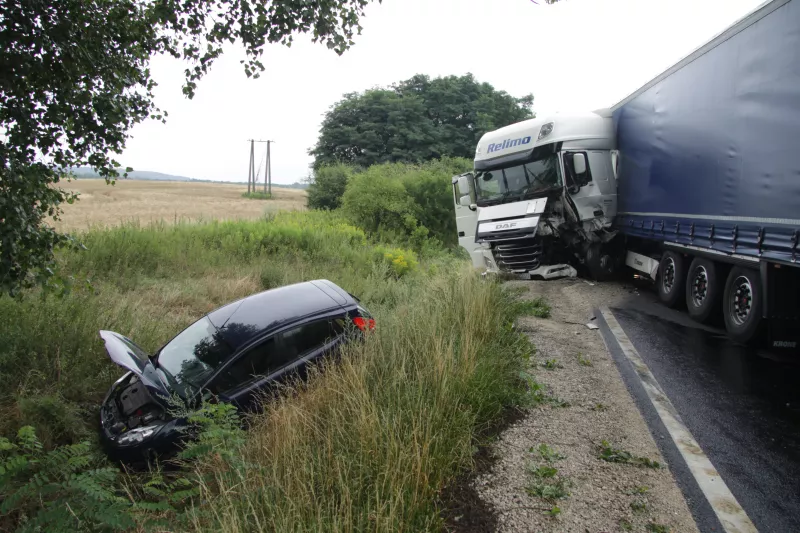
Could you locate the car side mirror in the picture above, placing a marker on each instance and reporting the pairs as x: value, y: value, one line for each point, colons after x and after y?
x: 579, y: 163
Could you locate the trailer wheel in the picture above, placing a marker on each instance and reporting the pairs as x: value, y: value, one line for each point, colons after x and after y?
x: 742, y: 303
x: 702, y: 289
x: 671, y: 279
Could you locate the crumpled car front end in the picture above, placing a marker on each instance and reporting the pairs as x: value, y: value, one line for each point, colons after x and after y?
x: 135, y: 418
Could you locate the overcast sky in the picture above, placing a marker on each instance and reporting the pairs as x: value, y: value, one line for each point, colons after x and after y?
x: 574, y: 55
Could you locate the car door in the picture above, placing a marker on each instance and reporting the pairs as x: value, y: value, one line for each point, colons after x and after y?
x: 272, y: 361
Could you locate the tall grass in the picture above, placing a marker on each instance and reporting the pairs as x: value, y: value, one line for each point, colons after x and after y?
x: 370, y: 442
x: 148, y: 282
x: 367, y: 444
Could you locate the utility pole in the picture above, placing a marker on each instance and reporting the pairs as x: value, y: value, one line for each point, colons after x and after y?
x: 252, y: 178
x: 268, y: 171
x: 251, y: 168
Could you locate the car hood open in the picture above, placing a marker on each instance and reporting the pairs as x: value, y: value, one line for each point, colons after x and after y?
x: 125, y: 353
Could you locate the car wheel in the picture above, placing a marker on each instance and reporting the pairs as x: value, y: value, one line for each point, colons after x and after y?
x: 671, y: 279
x: 703, y: 289
x: 742, y: 304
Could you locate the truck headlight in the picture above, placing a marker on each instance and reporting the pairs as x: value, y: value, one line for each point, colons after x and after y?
x: 137, y: 435
x: 546, y: 130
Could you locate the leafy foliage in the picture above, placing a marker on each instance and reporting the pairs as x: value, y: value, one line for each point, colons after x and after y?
x: 547, y: 453
x: 407, y: 202
x: 537, y: 307
x: 546, y: 483
x: 415, y: 120
x: 66, y: 489
x: 76, y: 79
x: 615, y: 455
x: 328, y: 186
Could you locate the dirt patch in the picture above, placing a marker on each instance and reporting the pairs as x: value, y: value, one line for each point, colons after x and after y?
x: 463, y: 509
x: 581, y: 401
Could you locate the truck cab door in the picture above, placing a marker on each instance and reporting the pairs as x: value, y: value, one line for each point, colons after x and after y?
x: 595, y: 188
x: 467, y: 217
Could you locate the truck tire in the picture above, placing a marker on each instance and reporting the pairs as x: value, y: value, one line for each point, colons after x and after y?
x: 703, y: 289
x: 600, y: 263
x: 741, y: 304
x: 671, y: 279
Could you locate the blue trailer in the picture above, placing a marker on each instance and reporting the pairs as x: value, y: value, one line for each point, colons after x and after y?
x: 709, y: 175
x: 694, y: 179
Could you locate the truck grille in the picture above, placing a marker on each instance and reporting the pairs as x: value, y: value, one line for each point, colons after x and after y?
x: 518, y: 255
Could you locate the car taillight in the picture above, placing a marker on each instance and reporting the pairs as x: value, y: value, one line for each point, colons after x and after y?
x: 364, y: 323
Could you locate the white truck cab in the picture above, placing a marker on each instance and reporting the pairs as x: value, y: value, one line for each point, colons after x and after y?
x: 542, y: 196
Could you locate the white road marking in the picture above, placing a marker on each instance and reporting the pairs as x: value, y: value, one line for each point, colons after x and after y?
x: 733, y: 518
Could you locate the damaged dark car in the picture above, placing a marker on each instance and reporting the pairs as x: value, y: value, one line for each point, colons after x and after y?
x: 234, y: 354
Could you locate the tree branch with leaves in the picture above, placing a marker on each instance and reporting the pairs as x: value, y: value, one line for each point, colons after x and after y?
x: 74, y: 79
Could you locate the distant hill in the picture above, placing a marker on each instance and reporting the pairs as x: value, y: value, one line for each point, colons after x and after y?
x: 88, y: 172
x: 147, y: 175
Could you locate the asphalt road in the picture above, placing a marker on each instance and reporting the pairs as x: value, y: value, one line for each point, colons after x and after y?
x: 741, y: 405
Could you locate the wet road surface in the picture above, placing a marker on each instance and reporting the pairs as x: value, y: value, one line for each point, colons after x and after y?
x: 742, y: 406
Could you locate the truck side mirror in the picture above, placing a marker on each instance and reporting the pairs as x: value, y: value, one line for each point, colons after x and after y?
x: 463, y: 187
x: 579, y: 163
x: 464, y: 201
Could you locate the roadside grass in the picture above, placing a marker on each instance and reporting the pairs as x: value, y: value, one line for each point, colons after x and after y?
x: 537, y: 394
x: 547, y: 453
x: 366, y: 444
x: 609, y: 453
x: 537, y: 307
x: 639, y: 506
x: 583, y: 360
x: 545, y: 482
x: 551, y: 364
x: 369, y: 443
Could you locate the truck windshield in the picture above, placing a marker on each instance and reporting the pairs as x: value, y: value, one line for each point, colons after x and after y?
x: 518, y: 182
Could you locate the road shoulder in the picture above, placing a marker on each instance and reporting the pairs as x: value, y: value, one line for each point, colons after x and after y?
x: 582, y: 457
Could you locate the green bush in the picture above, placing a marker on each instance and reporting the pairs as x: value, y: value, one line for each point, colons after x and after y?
x: 328, y: 186
x: 377, y: 201
x: 409, y: 203
x: 399, y: 262
x: 67, y: 489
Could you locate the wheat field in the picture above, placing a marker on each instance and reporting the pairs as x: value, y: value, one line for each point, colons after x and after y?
x: 103, y: 205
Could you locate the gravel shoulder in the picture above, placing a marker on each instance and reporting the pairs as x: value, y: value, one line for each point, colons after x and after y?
x: 566, y: 486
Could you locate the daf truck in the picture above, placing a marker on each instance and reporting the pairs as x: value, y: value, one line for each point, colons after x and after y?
x: 693, y: 180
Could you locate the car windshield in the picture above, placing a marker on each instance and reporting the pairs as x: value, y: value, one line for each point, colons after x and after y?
x: 518, y: 182
x: 192, y: 356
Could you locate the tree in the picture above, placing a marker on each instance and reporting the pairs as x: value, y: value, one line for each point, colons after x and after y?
x: 327, y: 187
x: 75, y: 79
x: 415, y: 120
x: 378, y: 202
x: 377, y: 126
